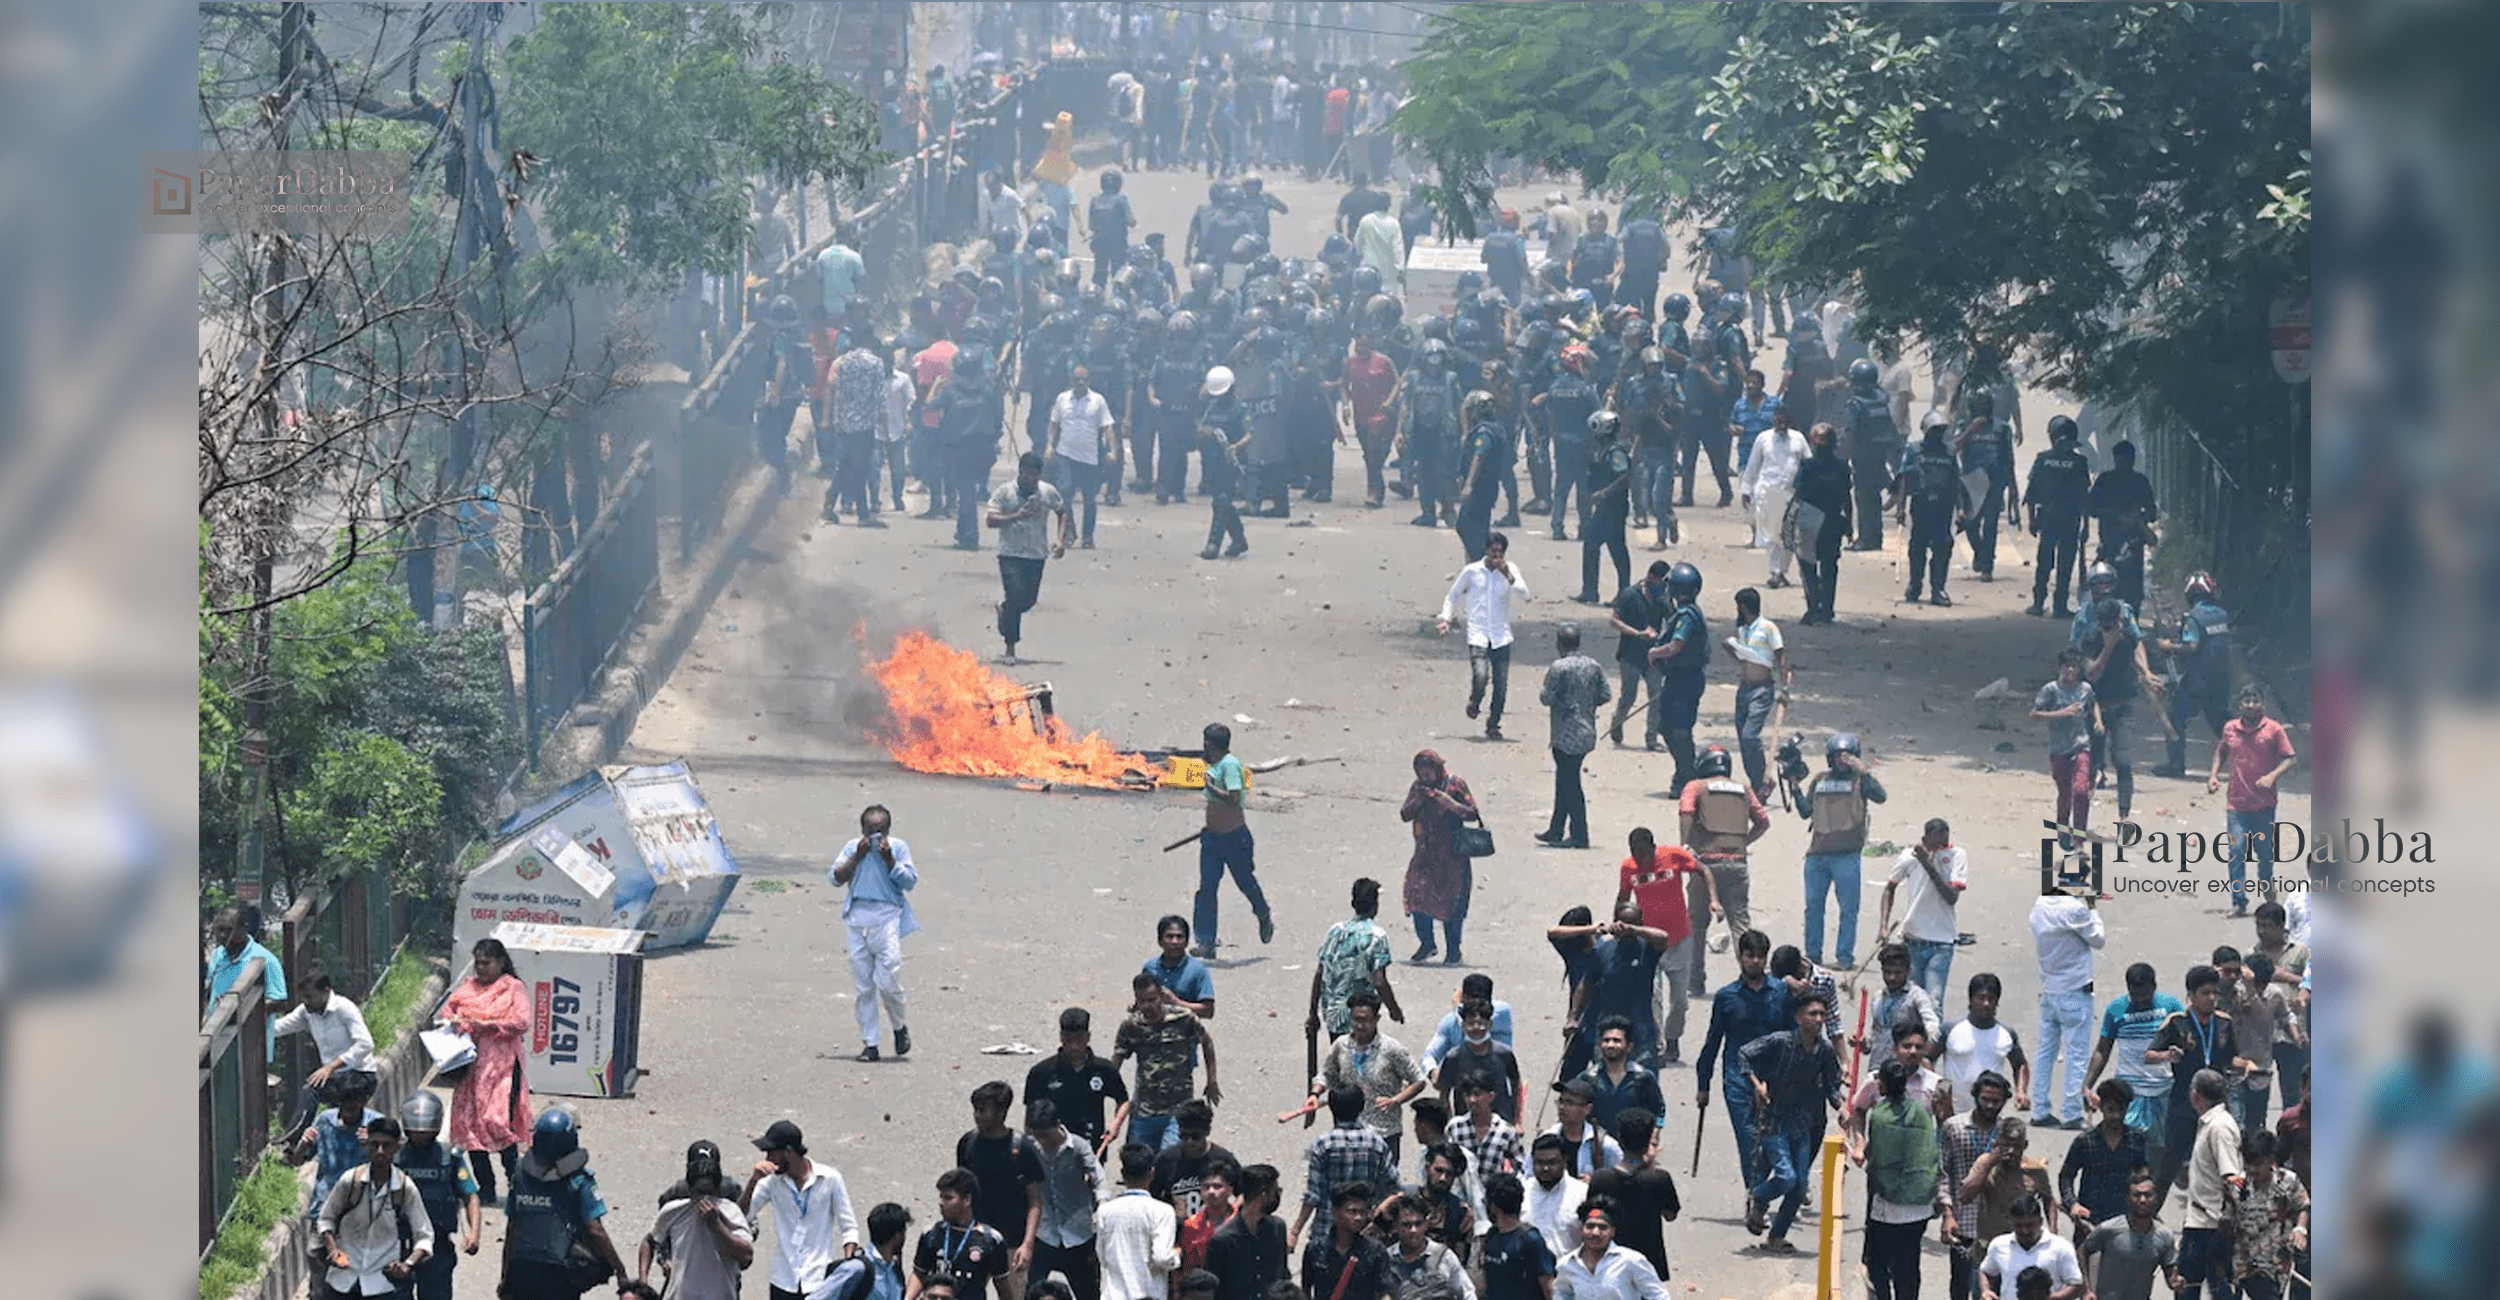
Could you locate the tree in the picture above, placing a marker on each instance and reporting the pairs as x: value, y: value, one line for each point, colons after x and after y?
x: 1603, y: 91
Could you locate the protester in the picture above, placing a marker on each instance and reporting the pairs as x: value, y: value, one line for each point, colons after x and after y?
x: 1225, y: 843
x: 2259, y: 752
x: 813, y: 1226
x: 1439, y: 877
x: 880, y: 874
x: 340, y: 1039
x: 371, y: 1211
x: 1936, y: 873
x: 1575, y: 689
x: 1482, y: 596
x: 700, y: 1237
x: 1021, y: 511
x: 2065, y: 932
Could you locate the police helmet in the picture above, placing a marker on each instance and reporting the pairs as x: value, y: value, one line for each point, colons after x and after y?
x: 1217, y: 191
x: 1934, y: 419
x: 1110, y: 180
x: 1470, y: 283
x: 1604, y: 425
x: 2200, y: 585
x: 2102, y: 573
x: 1005, y: 238
x: 1141, y: 256
x: 1678, y: 307
x: 1580, y: 300
x: 2063, y: 429
x: 1383, y: 310
x: 1253, y: 185
x: 1576, y: 358
x: 1436, y: 352
x: 1366, y: 281
x: 1051, y: 304
x: 1684, y: 582
x: 1321, y: 322
x: 422, y: 1112
x: 993, y: 287
x: 1335, y: 248
x: 1044, y: 259
x: 785, y: 310
x: 1227, y: 193
x: 1467, y: 333
x: 555, y: 1135
x: 1294, y: 268
x: 1434, y: 327
x: 1148, y: 319
x: 1219, y: 381
x: 1839, y: 743
x: 1258, y: 317
x: 1863, y: 373
x: 1477, y: 405
x: 1652, y: 356
x: 1712, y: 761
x: 1265, y: 263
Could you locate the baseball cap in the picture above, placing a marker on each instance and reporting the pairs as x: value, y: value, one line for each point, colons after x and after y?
x: 1580, y: 1088
x: 782, y: 1136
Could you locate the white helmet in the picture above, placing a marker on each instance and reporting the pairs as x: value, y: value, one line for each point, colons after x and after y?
x: 1219, y: 381
x: 1934, y: 419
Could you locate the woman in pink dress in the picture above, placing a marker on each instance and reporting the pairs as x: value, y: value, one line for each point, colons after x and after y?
x: 1439, y: 877
x: 490, y: 1108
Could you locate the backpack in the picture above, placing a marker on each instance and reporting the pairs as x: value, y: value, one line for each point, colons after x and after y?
x: 1901, y: 1152
x: 407, y: 1230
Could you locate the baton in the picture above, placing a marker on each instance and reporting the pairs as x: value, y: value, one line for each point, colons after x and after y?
x: 1700, y: 1113
x: 1194, y: 837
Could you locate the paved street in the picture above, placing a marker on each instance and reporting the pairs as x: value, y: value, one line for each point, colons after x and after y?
x: 1319, y: 643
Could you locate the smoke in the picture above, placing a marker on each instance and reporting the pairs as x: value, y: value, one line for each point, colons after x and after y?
x: 828, y: 634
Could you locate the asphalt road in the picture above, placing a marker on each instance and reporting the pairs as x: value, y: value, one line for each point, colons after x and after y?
x: 1318, y: 643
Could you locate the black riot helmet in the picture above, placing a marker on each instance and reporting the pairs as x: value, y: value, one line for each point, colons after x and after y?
x: 1862, y: 375
x: 1678, y: 307
x: 1110, y: 180
x: 2063, y: 430
x: 1684, y: 582
x: 1712, y: 761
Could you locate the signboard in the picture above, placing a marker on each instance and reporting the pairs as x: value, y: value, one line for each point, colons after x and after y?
x: 1433, y: 268
x: 691, y: 868
x: 585, y: 988
x: 628, y: 848
x: 2287, y: 334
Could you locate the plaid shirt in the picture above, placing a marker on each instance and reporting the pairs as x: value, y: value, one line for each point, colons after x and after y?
x: 1345, y: 1154
x: 1499, y: 1150
x: 2096, y: 1175
x: 1961, y: 1144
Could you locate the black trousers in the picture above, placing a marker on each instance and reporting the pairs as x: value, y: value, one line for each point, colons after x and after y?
x: 1714, y: 442
x: 1640, y: 289
x: 1179, y: 433
x: 1869, y: 479
x: 1083, y: 1269
x: 1983, y: 532
x: 1571, y: 479
x: 1604, y: 532
x: 1931, y: 551
x: 1022, y: 580
x: 2060, y: 546
x: 1224, y: 518
x: 1571, y: 804
x: 1475, y: 520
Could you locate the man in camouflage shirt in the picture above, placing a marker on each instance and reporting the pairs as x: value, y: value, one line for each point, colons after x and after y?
x: 1166, y: 1048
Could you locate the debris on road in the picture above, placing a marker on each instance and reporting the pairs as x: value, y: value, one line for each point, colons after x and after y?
x: 1011, y: 1049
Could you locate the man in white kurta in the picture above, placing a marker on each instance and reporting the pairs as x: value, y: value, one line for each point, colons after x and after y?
x: 878, y: 913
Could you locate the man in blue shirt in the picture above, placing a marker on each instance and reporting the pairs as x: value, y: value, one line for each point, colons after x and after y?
x: 1451, y: 1033
x: 1627, y: 978
x: 233, y: 946
x: 1753, y: 1006
x: 1752, y: 414
x: 889, y: 1226
x: 840, y: 267
x: 879, y: 870
x: 1185, y: 977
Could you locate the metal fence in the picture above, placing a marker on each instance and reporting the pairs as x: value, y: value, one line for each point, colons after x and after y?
x: 234, y: 1099
x: 2251, y: 532
x: 581, y: 614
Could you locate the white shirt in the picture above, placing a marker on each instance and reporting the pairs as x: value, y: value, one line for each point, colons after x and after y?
x: 1970, y: 1051
x: 1485, y: 596
x: 1896, y: 380
x: 699, y: 1268
x: 1777, y: 453
x: 899, y: 392
x: 1003, y: 208
x: 338, y: 1032
x: 368, y: 1229
x: 1137, y: 1238
x: 1594, y: 1151
x: 2054, y: 1254
x: 1925, y: 913
x: 2065, y: 929
x: 1081, y: 425
x: 811, y: 1224
x: 2296, y: 916
x: 1621, y: 1274
x: 1556, y: 1214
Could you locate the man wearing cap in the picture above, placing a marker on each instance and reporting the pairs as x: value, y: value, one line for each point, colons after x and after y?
x: 878, y: 913
x: 813, y: 1226
x: 441, y: 1173
x: 700, y: 1234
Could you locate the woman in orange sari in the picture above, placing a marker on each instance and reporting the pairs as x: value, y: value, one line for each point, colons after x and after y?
x: 490, y: 1107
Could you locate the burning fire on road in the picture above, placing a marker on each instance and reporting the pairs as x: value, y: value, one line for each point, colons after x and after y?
x: 951, y: 715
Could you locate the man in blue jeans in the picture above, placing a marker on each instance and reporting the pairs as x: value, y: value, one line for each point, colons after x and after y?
x: 1225, y: 844
x: 1794, y: 1074
x: 1837, y: 819
x: 2259, y: 751
x: 1751, y: 1007
x: 1935, y: 873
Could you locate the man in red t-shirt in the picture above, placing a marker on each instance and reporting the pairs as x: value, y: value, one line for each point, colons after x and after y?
x: 1370, y: 385
x: 2260, y: 752
x: 1656, y: 878
x: 1338, y: 106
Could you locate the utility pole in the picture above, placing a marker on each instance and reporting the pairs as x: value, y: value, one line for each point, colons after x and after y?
x: 478, y: 205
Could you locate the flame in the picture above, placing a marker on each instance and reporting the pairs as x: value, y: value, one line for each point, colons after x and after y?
x: 949, y: 716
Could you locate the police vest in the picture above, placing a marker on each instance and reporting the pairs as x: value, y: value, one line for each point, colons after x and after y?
x: 437, y: 1176
x: 1434, y: 402
x: 539, y: 1217
x: 1108, y: 218
x: 1872, y: 437
x: 2209, y: 669
x: 1840, y: 810
x: 1937, y: 475
x: 1723, y: 816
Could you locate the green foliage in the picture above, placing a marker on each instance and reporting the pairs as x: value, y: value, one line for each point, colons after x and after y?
x: 1603, y: 91
x: 646, y: 118
x: 241, y: 1248
x: 392, y: 1006
x: 370, y: 804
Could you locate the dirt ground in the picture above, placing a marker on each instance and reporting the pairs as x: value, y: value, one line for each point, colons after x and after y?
x: 1319, y: 643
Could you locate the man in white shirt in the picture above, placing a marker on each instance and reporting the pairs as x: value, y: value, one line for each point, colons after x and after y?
x: 894, y: 429
x: 2030, y: 1245
x: 1935, y: 873
x: 2066, y: 930
x: 362, y: 1219
x: 1481, y: 595
x: 1769, y: 481
x: 1001, y: 208
x: 1898, y: 382
x: 813, y: 1227
x: 881, y: 875
x: 1562, y: 228
x: 1602, y: 1270
x: 1552, y: 1203
x: 1136, y: 1237
x: 1081, y: 448
x: 700, y: 1233
x: 339, y: 1035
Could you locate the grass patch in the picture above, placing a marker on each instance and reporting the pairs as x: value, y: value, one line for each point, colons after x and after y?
x: 770, y: 886
x: 260, y: 1201
x: 394, y: 1000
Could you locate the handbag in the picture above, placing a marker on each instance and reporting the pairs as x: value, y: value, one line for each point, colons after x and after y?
x: 1474, y: 841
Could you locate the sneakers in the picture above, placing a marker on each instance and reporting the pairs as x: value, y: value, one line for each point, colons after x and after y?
x: 1453, y: 959
x: 868, y: 1055
x: 1267, y: 928
x: 1425, y: 952
x: 1550, y: 839
x: 1493, y: 731
x: 902, y: 1042
x: 1940, y: 600
x: 1236, y: 550
x: 1208, y: 554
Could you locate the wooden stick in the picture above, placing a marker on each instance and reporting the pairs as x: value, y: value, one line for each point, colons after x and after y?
x: 1700, y: 1114
x: 1194, y: 837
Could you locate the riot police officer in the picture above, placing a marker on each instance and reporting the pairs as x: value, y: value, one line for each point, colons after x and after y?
x: 2122, y: 500
x: 441, y: 1173
x: 1609, y: 476
x: 971, y: 417
x: 1644, y: 257
x: 1486, y: 457
x: 1223, y: 422
x: 2203, y: 652
x: 1682, y: 659
x: 554, y: 1204
x: 2060, y: 478
x: 1873, y: 444
x: 1568, y: 403
x: 1823, y: 485
x: 1174, y: 399
x: 1431, y: 434
x: 1594, y: 256
x: 1108, y: 219
x: 1987, y: 448
x: 1931, y: 485
x: 1651, y: 399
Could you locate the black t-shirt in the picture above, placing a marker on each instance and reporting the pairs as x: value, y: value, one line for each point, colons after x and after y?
x: 1495, y: 1066
x: 1638, y: 609
x: 1177, y: 1176
x: 1078, y: 1091
x: 1513, y: 1263
x: 975, y: 1253
x: 1006, y: 1165
x: 2116, y: 684
x: 1358, y: 204
x: 1645, y: 1196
